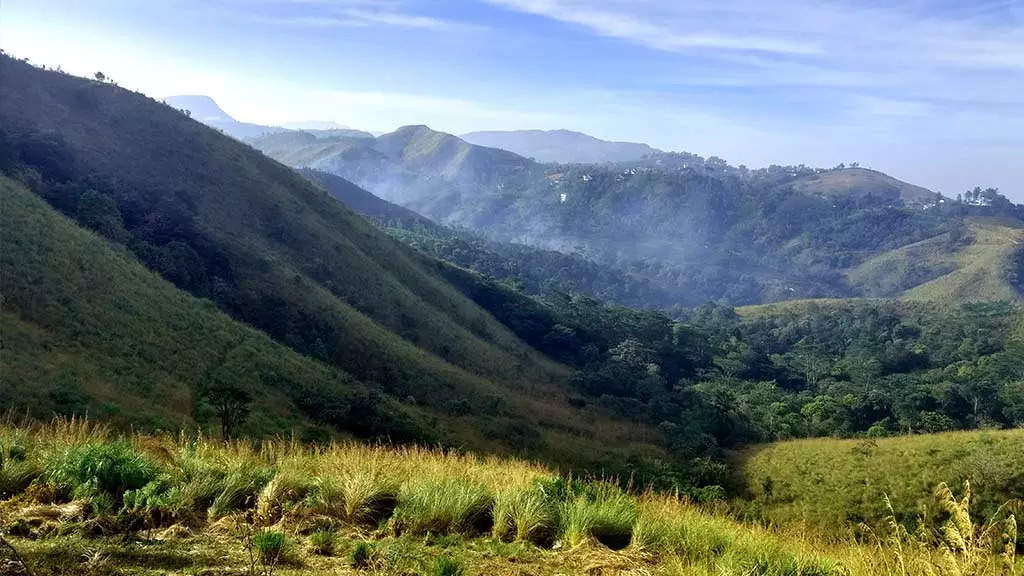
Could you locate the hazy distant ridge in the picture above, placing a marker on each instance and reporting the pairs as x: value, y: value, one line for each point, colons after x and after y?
x: 562, y: 146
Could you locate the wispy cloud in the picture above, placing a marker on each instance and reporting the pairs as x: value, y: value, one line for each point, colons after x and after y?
x: 629, y: 25
x: 360, y: 14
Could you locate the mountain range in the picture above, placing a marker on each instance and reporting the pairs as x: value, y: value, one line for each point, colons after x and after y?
x: 696, y: 229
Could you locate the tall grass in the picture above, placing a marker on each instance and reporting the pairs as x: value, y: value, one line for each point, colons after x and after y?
x: 399, y: 495
x: 443, y: 505
x: 602, y: 512
x: 525, y: 513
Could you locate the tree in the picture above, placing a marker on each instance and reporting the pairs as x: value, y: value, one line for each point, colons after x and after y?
x: 231, y: 405
x: 100, y: 77
x: 100, y: 213
x: 228, y: 388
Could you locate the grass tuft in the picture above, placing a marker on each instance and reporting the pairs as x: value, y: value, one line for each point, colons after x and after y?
x: 524, y: 513
x: 603, y: 512
x: 322, y: 542
x: 446, y: 566
x: 270, y: 546
x: 443, y: 506
x: 361, y: 555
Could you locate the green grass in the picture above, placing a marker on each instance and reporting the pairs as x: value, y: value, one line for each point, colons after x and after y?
x: 442, y: 506
x: 838, y: 484
x: 524, y: 513
x: 441, y: 494
x: 270, y: 545
x: 323, y: 542
x: 935, y: 270
x: 981, y: 268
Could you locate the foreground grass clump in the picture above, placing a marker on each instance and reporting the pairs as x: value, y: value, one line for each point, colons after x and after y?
x: 158, y: 504
x: 443, y: 506
x: 602, y: 512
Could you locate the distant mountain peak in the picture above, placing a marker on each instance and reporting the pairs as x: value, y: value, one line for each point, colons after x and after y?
x: 206, y: 110
x: 202, y: 107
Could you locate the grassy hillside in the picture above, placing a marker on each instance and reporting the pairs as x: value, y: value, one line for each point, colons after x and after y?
x: 983, y: 268
x: 75, y: 499
x: 973, y: 263
x: 862, y: 183
x: 87, y: 329
x: 836, y: 484
x: 225, y: 223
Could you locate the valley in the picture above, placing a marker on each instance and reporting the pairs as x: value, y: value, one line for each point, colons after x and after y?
x: 233, y: 348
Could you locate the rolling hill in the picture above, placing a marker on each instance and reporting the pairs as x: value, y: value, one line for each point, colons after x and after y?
x: 256, y: 240
x: 560, y: 146
x: 835, y: 484
x: 414, y: 166
x: 862, y: 183
x: 696, y: 229
x: 972, y: 263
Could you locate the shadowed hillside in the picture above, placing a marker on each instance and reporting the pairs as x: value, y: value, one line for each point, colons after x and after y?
x: 225, y: 223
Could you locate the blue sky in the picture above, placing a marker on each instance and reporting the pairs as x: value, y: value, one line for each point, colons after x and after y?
x: 928, y: 91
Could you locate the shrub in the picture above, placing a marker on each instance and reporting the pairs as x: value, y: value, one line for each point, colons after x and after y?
x: 239, y: 489
x: 198, y: 482
x: 368, y: 495
x: 359, y: 496
x: 276, y: 495
x: 447, y: 505
x: 17, y: 471
x: 322, y: 542
x: 156, y: 501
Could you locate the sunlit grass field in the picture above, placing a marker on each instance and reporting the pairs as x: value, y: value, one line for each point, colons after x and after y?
x: 834, y: 484
x: 78, y: 499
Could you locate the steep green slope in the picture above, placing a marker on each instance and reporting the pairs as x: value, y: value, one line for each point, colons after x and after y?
x: 223, y: 222
x: 984, y: 269
x: 536, y: 271
x: 86, y: 328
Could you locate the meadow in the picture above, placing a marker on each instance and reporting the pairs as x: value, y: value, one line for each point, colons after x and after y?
x: 76, y: 498
x: 833, y: 484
